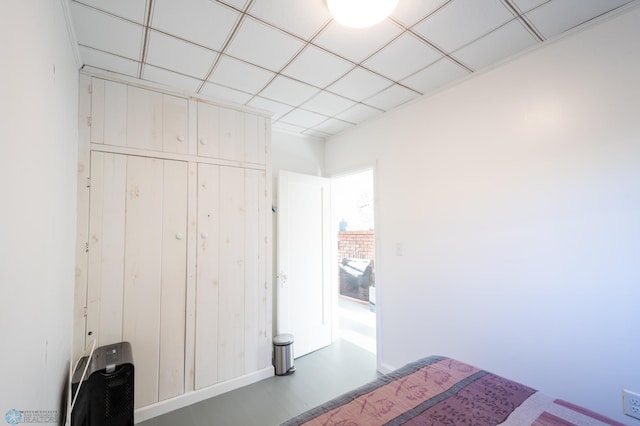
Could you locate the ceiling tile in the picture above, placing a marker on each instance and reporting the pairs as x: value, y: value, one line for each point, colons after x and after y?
x: 108, y: 62
x: 171, y: 79
x: 316, y: 133
x: 359, y: 84
x: 497, y: 45
x: 557, y: 16
x: 203, y: 22
x: 303, y: 118
x: 359, y: 113
x: 240, y: 75
x: 392, y: 97
x: 356, y: 44
x: 215, y: 91
x: 264, y: 46
x: 106, y: 32
x: 328, y: 104
x: 404, y: 56
x: 133, y: 10
x: 180, y: 56
x: 277, y: 109
x: 333, y: 126
x: 409, y: 12
x: 527, y: 5
x: 238, y: 4
x: 434, y: 76
x: 309, y: 15
x: 317, y: 67
x: 279, y: 125
x: 462, y: 21
x: 288, y: 91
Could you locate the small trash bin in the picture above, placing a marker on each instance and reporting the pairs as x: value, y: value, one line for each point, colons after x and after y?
x: 283, y: 354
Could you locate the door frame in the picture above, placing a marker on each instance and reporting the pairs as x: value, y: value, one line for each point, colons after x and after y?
x: 335, y: 285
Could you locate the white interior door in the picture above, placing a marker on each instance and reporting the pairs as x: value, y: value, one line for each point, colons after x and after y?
x: 304, y: 293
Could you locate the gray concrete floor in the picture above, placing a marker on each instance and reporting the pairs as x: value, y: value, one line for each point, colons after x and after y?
x: 319, y: 376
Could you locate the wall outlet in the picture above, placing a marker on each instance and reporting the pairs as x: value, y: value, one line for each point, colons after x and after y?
x: 631, y: 403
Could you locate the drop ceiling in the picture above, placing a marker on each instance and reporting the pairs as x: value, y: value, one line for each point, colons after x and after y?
x: 289, y: 57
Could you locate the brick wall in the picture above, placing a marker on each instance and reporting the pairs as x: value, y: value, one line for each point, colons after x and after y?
x: 356, y: 244
x: 359, y: 245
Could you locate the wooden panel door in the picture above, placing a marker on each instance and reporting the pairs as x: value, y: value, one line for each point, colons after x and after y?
x: 231, y: 274
x: 207, y: 260
x: 137, y: 266
x: 144, y: 119
x: 255, y: 137
x: 208, y: 130
x: 175, y: 124
x: 174, y: 273
x: 108, y: 112
x: 232, y: 129
x: 106, y: 248
x: 256, y: 337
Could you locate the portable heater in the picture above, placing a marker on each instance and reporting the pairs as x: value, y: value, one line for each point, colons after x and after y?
x: 106, y: 392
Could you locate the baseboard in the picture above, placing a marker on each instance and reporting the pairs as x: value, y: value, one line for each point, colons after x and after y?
x: 163, y: 407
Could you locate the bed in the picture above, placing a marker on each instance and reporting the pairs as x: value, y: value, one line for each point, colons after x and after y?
x: 442, y: 391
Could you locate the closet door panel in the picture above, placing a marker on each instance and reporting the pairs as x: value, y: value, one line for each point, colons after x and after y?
x: 254, y: 139
x: 106, y: 248
x: 255, y: 272
x: 207, y: 276
x: 174, y: 273
x: 115, y: 114
x: 97, y: 110
x: 144, y: 119
x: 142, y: 272
x: 208, y: 130
x: 175, y: 124
x: 108, y: 112
x: 232, y: 128
x: 232, y: 265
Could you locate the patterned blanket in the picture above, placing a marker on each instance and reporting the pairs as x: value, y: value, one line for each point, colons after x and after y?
x: 442, y: 391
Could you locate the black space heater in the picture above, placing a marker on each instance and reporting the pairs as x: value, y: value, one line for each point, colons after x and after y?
x: 106, y: 394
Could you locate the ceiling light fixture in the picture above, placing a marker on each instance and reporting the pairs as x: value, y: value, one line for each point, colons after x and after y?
x: 361, y: 13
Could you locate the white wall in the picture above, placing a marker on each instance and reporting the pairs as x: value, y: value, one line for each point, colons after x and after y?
x: 516, y: 198
x: 38, y: 116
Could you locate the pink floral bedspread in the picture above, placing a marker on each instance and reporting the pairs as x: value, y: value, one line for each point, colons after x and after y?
x: 442, y: 391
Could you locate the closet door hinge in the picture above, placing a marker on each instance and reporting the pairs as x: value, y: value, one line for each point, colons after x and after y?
x: 84, y: 311
x: 89, y: 182
x: 90, y: 89
x: 86, y: 250
x: 89, y: 121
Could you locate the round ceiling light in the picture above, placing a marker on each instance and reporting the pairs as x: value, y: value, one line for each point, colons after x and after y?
x: 361, y: 13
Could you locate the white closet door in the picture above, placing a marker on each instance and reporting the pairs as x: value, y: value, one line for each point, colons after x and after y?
x: 143, y: 272
x: 207, y: 276
x: 232, y: 268
x: 137, y: 266
x: 106, y: 248
x: 232, y: 130
x: 174, y: 273
x: 108, y: 112
x: 144, y: 119
x: 175, y: 124
x: 257, y: 345
x: 255, y: 138
x: 208, y: 130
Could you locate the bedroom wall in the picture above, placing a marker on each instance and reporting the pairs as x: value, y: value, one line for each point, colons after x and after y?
x: 38, y: 110
x: 514, y: 199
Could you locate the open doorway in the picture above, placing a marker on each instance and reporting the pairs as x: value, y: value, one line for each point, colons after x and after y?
x: 353, y: 218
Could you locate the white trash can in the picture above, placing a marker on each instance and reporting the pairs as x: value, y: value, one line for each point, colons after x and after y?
x: 283, y: 354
